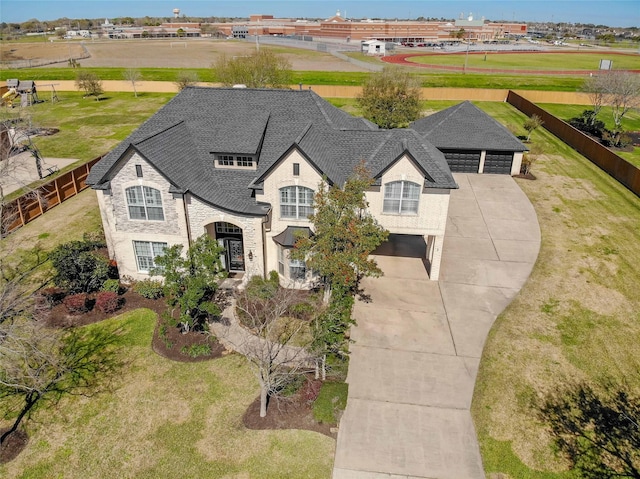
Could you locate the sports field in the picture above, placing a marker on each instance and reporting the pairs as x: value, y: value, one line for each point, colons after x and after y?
x: 532, y: 61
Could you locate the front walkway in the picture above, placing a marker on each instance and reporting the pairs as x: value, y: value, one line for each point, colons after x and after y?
x: 418, y: 342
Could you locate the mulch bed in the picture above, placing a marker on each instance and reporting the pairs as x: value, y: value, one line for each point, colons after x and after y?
x: 59, y: 317
x: 287, y: 413
x: 178, y: 341
x: 13, y: 446
x: 528, y: 176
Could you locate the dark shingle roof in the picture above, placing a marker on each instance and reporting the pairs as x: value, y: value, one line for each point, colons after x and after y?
x: 465, y: 126
x: 180, y: 138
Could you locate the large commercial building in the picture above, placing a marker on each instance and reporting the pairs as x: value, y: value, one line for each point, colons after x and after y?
x: 384, y: 30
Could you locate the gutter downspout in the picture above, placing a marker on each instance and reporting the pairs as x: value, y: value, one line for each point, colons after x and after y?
x: 265, y: 220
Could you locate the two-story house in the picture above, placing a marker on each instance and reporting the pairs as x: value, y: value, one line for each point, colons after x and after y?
x: 242, y: 165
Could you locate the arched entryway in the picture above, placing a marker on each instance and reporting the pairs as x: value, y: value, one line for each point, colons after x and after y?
x: 229, y: 236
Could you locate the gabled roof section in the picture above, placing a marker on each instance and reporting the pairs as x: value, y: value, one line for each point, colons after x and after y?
x: 180, y: 138
x: 465, y: 126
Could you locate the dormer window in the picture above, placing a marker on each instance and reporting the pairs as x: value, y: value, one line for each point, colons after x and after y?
x: 235, y: 161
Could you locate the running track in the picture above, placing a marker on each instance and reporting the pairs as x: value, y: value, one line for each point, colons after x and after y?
x: 403, y: 59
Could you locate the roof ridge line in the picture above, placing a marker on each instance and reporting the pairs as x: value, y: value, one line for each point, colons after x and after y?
x: 303, y: 134
x: 375, y: 152
x: 164, y: 130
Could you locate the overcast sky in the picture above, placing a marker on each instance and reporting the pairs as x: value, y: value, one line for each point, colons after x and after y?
x: 620, y: 13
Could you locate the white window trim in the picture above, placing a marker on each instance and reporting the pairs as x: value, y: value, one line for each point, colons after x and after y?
x: 296, y: 203
x: 144, y: 203
x: 154, y: 253
x: 401, y: 199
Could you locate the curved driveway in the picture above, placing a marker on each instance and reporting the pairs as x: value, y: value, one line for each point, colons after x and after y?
x: 418, y: 342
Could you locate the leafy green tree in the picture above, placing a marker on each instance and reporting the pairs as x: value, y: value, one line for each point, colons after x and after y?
x: 191, y: 280
x: 260, y: 69
x: 391, y: 98
x: 345, y: 235
x: 185, y: 79
x: 599, y: 433
x: 79, y: 268
x: 39, y: 365
x: 532, y: 123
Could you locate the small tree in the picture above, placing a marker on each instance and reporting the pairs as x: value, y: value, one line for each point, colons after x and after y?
x: 391, y: 98
x: 260, y: 69
x: 262, y: 308
x: 190, y: 281
x: 39, y: 364
x: 531, y: 124
x: 345, y: 235
x: 599, y: 433
x: 90, y: 83
x: 133, y: 75
x: 594, y: 88
x: 529, y: 158
x: 185, y: 79
x: 622, y: 92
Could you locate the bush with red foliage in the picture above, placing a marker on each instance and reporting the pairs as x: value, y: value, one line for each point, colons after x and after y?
x: 76, y: 303
x: 107, y: 301
x: 310, y: 390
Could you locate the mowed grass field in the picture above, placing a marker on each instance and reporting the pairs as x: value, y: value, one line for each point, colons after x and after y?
x: 532, y: 60
x: 576, y: 319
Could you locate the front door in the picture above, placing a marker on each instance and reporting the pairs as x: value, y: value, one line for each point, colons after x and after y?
x: 235, y: 255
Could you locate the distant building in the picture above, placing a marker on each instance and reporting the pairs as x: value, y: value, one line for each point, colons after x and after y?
x: 382, y: 30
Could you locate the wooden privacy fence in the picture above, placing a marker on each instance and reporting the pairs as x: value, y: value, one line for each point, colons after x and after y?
x: 31, y: 205
x: 598, y: 154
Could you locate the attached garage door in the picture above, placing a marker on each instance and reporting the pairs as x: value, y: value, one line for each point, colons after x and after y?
x: 461, y: 161
x: 498, y: 162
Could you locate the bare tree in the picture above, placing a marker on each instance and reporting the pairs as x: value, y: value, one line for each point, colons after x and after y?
x: 618, y: 89
x: 16, y: 265
x: 594, y: 88
x: 268, y: 347
x: 133, y: 75
x: 622, y: 90
x: 38, y: 364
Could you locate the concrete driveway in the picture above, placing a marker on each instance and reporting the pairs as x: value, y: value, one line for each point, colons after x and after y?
x: 418, y: 342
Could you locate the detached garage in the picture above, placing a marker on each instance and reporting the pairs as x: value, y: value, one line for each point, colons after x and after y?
x: 472, y: 141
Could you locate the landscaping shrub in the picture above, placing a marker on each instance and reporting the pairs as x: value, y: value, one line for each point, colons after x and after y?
x: 76, y: 303
x: 112, y: 285
x: 78, y: 266
x: 107, y: 301
x: 149, y: 288
x: 196, y: 350
x: 587, y: 123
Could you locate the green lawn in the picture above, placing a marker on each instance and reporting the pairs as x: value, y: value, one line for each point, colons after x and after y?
x: 577, y: 317
x: 630, y: 122
x: 165, y: 419
x: 428, y: 79
x: 532, y: 61
x: 89, y: 128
